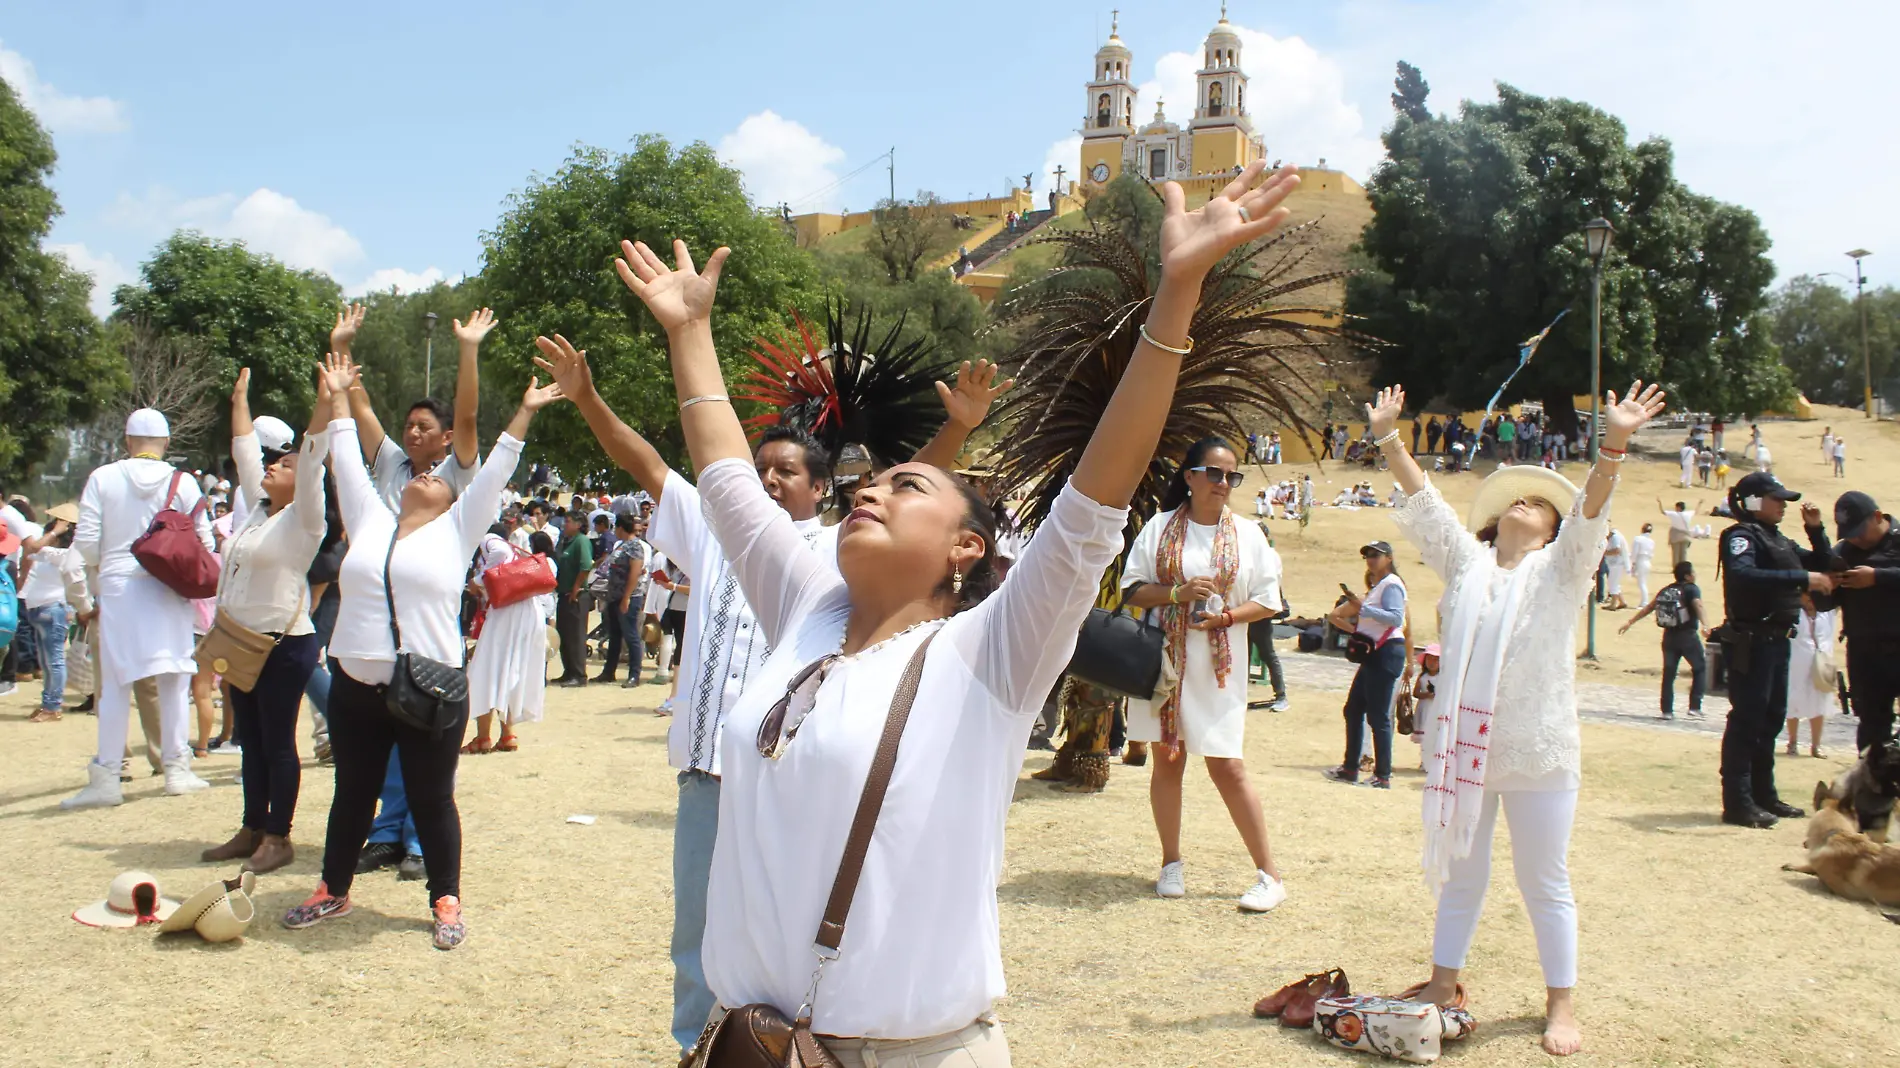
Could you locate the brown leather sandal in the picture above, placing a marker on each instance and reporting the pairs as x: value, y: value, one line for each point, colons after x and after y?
x: 1273, y: 1004
x: 1411, y: 993
x: 1300, y: 1008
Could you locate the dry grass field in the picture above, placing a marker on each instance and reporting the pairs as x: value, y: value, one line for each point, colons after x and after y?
x: 1696, y: 948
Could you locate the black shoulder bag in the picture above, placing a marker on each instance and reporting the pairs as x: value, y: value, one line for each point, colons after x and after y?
x: 425, y: 694
x: 1119, y: 652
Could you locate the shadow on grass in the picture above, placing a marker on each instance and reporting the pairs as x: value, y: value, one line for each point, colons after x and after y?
x: 1068, y: 889
x: 1671, y: 822
x: 650, y: 820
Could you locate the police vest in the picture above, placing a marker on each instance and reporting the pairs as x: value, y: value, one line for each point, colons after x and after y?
x: 1747, y: 603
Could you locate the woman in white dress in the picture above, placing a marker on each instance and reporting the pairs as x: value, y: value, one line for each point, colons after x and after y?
x: 1812, y: 686
x: 912, y: 978
x: 1207, y: 577
x: 507, y: 672
x: 1503, y: 731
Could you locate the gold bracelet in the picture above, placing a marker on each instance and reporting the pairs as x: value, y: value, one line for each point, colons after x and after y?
x: 1149, y: 338
x: 702, y: 398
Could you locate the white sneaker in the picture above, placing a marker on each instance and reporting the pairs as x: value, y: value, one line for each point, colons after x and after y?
x: 1172, y: 882
x: 102, y: 789
x: 179, y: 778
x: 1265, y: 895
x: 1278, y: 704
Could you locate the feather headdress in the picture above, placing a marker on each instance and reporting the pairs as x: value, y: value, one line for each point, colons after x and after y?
x: 850, y: 391
x: 1253, y: 352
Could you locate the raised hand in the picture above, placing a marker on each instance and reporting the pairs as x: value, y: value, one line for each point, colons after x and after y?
x: 1382, y: 415
x: 1623, y: 417
x: 480, y: 322
x: 337, y: 373
x: 348, y: 319
x: 242, y: 391
x: 1192, y: 242
x: 566, y: 366
x: 678, y: 295
x: 975, y: 391
x: 539, y: 396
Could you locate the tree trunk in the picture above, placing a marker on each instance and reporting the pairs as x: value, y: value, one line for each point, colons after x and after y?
x: 1560, y: 414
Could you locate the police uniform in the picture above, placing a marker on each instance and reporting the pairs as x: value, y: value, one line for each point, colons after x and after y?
x: 1763, y: 576
x: 1870, y: 617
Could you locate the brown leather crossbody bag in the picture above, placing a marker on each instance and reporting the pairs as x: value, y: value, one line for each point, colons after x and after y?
x: 761, y: 1036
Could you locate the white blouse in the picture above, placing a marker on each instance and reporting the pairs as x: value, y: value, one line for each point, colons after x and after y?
x: 922, y: 951
x: 264, y: 584
x: 426, y: 572
x: 1535, y: 741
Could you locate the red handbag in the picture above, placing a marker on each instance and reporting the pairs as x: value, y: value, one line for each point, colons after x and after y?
x: 170, y: 551
x: 527, y: 575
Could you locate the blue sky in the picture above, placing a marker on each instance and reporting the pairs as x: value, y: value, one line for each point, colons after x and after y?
x: 377, y: 142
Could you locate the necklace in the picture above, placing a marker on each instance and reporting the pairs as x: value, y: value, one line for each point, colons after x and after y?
x: 869, y: 649
x: 802, y: 692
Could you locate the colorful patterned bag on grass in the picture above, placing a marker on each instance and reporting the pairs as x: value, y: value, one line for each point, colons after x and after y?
x: 1403, y: 1030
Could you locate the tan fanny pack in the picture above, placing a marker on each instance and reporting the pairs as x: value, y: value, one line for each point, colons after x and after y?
x: 234, y: 651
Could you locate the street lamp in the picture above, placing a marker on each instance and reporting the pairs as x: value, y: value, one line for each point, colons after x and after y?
x: 428, y: 354
x: 1596, y: 241
x: 1860, y: 301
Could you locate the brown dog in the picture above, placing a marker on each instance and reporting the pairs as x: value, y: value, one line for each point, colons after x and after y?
x: 1845, y: 861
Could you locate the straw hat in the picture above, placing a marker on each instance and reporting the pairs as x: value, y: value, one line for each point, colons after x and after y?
x: 219, y: 913
x: 132, y: 899
x: 1507, y: 484
x: 68, y: 512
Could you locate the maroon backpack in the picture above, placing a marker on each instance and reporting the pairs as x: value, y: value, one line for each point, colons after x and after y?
x: 170, y: 551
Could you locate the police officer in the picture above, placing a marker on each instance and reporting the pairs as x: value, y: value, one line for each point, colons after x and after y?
x: 1868, y: 593
x: 1763, y: 577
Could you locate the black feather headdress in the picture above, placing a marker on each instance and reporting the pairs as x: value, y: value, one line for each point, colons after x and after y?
x: 1253, y: 352
x: 850, y: 391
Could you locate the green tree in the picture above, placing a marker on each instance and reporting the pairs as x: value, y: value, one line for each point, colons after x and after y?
x: 933, y: 305
x: 1476, y: 243
x: 56, y: 369
x: 1409, y: 93
x: 549, y: 267
x: 249, y: 309
x: 394, y: 351
x: 1817, y: 329
x: 903, y: 232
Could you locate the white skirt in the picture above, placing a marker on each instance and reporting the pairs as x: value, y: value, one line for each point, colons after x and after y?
x: 509, y: 669
x: 1213, y: 719
x: 1805, y: 700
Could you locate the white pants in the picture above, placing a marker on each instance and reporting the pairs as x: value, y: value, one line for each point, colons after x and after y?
x: 1540, y: 837
x: 1641, y: 573
x: 115, y: 713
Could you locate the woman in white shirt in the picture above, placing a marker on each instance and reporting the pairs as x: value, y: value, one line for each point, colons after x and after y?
x: 262, y: 587
x: 1206, y: 576
x: 1813, y: 686
x: 417, y: 558
x: 1642, y: 554
x: 1504, y: 724
x: 921, y: 960
x: 508, y: 671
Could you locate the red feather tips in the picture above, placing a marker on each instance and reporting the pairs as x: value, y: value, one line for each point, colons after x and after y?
x: 791, y: 371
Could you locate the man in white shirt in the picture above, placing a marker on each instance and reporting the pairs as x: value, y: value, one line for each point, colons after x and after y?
x: 145, y: 628
x: 1681, y: 530
x: 1687, y: 456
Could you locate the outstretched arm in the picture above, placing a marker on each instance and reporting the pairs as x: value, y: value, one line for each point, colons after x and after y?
x: 1382, y: 420
x: 681, y: 300
x: 568, y: 369
x: 468, y: 386
x: 964, y: 408
x: 1621, y: 419
x: 369, y: 432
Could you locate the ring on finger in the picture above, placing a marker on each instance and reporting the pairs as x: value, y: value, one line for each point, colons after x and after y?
x: 1245, y: 216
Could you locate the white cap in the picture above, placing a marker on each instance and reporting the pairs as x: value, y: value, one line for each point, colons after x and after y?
x: 273, y: 434
x: 147, y: 423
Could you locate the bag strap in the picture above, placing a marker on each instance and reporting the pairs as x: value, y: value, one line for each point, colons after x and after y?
x: 870, y: 803
x: 171, y: 494
x: 389, y: 592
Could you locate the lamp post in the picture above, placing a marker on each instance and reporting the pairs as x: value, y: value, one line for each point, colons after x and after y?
x: 428, y: 354
x: 1860, y: 302
x: 1596, y: 240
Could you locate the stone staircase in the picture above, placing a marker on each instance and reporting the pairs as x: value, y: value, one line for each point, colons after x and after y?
x: 987, y: 252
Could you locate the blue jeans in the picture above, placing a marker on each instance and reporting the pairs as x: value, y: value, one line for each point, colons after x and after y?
x: 630, y: 636
x: 318, y: 690
x: 49, y: 624
x: 393, y: 822
x: 695, y: 826
x: 1369, y: 705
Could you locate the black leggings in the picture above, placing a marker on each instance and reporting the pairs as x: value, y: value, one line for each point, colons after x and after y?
x: 267, y: 729
x: 361, y: 734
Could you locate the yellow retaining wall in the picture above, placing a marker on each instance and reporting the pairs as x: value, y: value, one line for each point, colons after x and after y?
x: 816, y: 226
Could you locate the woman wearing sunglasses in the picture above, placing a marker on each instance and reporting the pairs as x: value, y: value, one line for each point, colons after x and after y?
x: 921, y: 960
x: 1207, y: 577
x: 1503, y: 730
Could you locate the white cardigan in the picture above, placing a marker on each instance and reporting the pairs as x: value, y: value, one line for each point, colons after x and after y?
x: 1535, y: 742
x: 264, y: 583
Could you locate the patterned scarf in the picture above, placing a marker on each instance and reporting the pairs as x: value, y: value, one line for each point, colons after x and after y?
x: 1174, y: 617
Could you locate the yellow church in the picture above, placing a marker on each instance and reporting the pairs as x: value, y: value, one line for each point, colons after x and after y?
x: 1219, y: 140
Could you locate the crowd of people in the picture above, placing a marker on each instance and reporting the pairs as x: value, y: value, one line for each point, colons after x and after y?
x: 834, y: 655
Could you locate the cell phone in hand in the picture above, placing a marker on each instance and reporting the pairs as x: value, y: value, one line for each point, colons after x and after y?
x: 1347, y: 590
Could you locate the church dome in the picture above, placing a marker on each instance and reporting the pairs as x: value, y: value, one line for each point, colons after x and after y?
x: 1223, y: 35
x: 1114, y: 48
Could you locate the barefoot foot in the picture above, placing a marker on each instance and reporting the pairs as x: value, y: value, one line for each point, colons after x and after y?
x: 1561, y: 1035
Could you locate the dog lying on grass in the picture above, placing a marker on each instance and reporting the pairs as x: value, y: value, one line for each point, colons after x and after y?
x: 1868, y: 791
x: 1845, y: 860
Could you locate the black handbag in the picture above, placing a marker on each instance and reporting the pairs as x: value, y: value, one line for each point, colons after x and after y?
x: 1119, y: 653
x: 425, y: 694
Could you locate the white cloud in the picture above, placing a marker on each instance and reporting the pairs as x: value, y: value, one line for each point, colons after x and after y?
x: 107, y: 272
x: 1065, y: 153
x: 404, y: 281
x: 265, y: 220
x: 60, y: 112
x: 782, y: 161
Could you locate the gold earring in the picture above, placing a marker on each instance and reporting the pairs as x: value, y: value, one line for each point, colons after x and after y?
x: 956, y: 579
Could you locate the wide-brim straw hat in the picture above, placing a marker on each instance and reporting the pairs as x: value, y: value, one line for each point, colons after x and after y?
x: 219, y: 913
x: 132, y: 899
x: 1507, y: 484
x: 68, y: 511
